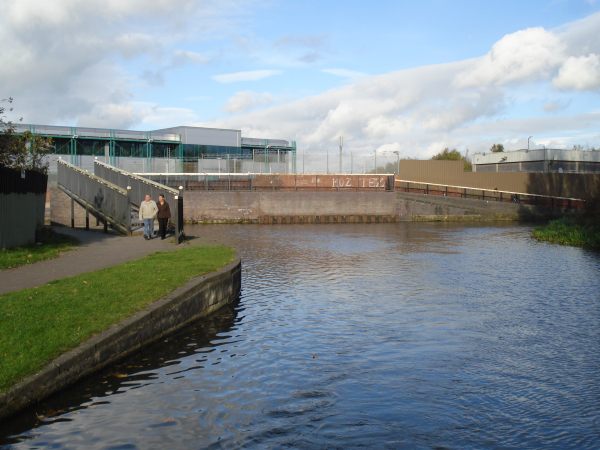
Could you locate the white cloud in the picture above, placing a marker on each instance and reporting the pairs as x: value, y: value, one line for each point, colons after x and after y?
x: 133, y: 44
x: 556, y: 105
x: 344, y: 73
x: 463, y: 104
x: 101, y: 114
x: 249, y: 75
x: 527, y: 54
x: 148, y: 115
x: 181, y: 57
x: 246, y: 100
x: 580, y: 73
x: 65, y: 55
x: 286, y: 51
x: 156, y: 116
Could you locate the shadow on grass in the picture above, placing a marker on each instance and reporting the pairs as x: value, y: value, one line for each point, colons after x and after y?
x: 49, y: 244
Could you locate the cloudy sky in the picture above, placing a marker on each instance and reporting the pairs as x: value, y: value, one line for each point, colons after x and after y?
x: 412, y: 77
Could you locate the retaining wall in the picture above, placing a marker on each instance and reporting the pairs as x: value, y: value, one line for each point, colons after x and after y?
x: 197, y: 298
x: 317, y: 207
x: 337, y: 207
x: 254, y: 207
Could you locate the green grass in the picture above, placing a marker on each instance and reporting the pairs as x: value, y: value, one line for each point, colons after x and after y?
x: 39, y: 324
x: 50, y: 245
x: 570, y: 231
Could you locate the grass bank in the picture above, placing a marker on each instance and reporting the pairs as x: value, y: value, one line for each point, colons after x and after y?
x: 49, y: 245
x: 39, y: 324
x: 570, y: 231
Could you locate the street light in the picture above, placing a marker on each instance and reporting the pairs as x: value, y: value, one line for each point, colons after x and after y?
x: 528, y: 141
x: 398, y: 156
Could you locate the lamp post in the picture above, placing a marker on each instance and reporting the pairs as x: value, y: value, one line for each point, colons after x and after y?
x: 397, y: 156
x: 528, y: 139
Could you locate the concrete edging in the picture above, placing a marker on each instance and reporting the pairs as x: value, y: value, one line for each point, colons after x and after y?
x: 198, y: 298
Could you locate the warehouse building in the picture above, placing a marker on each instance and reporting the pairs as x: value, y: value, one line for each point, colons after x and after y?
x: 181, y: 149
x: 544, y: 160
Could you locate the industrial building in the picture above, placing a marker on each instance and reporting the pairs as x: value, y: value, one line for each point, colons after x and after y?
x: 543, y: 160
x: 181, y: 149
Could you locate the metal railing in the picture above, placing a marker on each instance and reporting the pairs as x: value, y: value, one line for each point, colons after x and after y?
x: 137, y: 187
x: 274, y: 182
x: 103, y: 199
x: 82, y: 132
x: 488, y: 194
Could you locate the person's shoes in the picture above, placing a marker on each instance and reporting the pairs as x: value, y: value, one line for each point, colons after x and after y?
x: 162, y: 238
x: 146, y: 237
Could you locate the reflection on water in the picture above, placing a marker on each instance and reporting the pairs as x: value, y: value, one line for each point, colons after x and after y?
x: 404, y: 335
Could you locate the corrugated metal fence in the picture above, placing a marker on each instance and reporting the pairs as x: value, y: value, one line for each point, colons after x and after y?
x: 22, y: 204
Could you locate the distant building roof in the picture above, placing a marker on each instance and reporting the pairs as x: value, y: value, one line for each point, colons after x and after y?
x: 537, y: 154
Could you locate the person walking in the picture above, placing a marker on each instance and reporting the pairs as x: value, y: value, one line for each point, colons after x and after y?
x: 148, y: 211
x: 164, y: 214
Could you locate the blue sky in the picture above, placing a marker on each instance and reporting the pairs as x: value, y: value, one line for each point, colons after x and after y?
x: 365, y: 37
x: 390, y: 76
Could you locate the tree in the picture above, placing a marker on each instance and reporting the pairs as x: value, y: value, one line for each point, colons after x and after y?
x: 24, y: 151
x: 453, y: 155
x: 449, y: 155
x: 497, y: 148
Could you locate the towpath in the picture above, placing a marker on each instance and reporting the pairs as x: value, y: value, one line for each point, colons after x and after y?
x: 96, y: 251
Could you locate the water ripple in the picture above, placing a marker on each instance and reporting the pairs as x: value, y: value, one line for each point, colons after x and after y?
x: 387, y: 336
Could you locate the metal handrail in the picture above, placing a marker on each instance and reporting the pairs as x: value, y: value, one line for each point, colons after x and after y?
x: 103, y: 199
x: 489, y: 190
x: 133, y: 176
x: 138, y: 187
x: 492, y: 194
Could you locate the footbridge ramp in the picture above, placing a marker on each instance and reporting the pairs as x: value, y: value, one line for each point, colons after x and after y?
x: 113, y: 195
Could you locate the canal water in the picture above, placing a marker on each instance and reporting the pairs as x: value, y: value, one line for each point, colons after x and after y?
x: 379, y: 336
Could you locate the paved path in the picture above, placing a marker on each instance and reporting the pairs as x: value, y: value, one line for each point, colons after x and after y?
x: 96, y: 251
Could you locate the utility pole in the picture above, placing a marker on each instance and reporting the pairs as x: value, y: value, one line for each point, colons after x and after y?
x: 397, y: 156
x: 341, y: 147
x: 528, y: 141
x: 375, y: 154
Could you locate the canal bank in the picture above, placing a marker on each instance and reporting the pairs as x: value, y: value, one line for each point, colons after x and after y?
x: 196, y: 297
